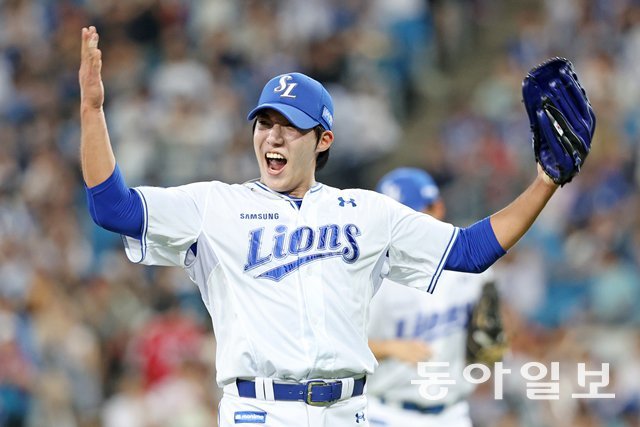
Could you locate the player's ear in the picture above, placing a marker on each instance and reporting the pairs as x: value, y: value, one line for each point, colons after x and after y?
x: 325, y: 141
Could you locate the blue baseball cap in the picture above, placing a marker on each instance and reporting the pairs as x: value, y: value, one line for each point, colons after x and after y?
x: 412, y: 187
x: 301, y: 99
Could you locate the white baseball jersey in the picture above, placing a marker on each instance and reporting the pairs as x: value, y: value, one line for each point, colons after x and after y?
x: 441, y: 319
x: 288, y: 288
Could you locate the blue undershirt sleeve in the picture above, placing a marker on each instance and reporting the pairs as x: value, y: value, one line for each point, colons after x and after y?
x: 475, y: 249
x: 116, y: 207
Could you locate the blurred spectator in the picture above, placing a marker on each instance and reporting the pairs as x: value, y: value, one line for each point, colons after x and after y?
x: 127, y: 406
x: 163, y: 344
x: 17, y: 372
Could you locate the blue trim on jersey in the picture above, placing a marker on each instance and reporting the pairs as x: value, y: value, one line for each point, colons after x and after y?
x: 143, y: 238
x: 115, y: 207
x: 442, y: 262
x: 264, y: 187
x: 284, y: 196
x: 315, y: 188
x: 476, y: 249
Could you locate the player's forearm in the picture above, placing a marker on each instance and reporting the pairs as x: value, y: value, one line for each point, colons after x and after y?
x: 406, y: 350
x: 97, y: 159
x: 380, y: 349
x: 512, y: 222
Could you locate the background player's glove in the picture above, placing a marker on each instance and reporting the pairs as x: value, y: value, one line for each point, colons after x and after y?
x: 561, y: 118
x: 486, y: 340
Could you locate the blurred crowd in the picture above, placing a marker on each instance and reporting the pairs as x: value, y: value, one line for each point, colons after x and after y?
x: 89, y: 339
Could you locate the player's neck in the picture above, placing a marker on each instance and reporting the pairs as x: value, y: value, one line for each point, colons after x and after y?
x: 299, y: 192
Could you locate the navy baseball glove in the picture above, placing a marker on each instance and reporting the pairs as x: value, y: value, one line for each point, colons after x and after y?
x: 561, y: 117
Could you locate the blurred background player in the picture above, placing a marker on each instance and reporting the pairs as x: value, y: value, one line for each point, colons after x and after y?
x: 407, y: 326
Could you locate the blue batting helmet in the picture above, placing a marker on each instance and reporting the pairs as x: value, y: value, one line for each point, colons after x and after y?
x: 412, y: 187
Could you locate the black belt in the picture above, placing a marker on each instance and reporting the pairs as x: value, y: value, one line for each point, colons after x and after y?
x: 315, y: 392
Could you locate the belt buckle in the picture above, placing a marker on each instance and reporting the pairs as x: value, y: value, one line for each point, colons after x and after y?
x: 308, y: 400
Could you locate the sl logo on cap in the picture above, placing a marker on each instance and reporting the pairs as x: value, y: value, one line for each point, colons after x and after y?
x: 285, y: 87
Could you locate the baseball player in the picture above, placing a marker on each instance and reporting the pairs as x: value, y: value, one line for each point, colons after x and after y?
x: 407, y: 326
x: 285, y: 265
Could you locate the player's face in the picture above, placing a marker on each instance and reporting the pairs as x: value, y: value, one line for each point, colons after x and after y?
x: 286, y: 155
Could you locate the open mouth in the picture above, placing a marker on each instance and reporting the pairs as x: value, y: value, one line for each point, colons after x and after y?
x: 275, y: 161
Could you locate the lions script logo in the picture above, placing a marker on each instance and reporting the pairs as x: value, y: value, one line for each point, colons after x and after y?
x: 326, y: 241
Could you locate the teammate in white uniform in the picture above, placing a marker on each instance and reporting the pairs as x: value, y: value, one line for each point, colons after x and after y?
x: 286, y: 266
x: 407, y: 326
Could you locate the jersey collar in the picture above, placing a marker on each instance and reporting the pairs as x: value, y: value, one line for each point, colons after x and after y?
x: 257, y: 184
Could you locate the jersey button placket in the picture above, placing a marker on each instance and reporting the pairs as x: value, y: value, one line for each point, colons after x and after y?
x: 311, y: 285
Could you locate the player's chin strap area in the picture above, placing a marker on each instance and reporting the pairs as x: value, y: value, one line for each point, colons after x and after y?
x: 313, y: 392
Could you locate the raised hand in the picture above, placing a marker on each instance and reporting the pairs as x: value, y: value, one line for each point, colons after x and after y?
x: 89, y: 76
x: 98, y: 161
